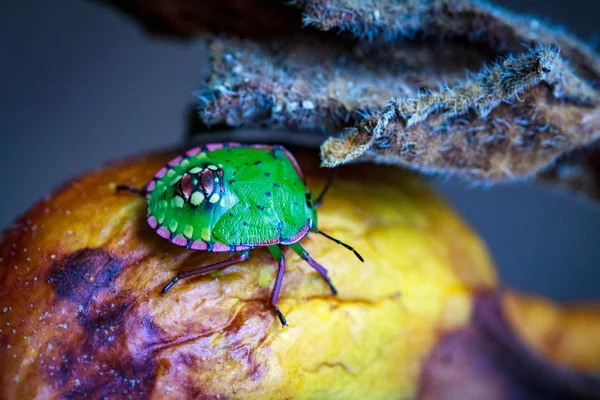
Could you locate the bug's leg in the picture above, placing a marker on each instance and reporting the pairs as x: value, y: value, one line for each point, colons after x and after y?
x: 278, y: 256
x: 320, y: 269
x: 340, y: 243
x: 319, y: 199
x: 197, y: 271
x: 141, y: 192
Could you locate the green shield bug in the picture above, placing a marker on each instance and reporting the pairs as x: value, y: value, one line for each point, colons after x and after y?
x: 231, y: 197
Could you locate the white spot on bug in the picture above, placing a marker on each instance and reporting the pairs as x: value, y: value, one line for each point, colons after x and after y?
x: 197, y: 198
x: 188, y: 231
x: 173, y: 225
x: 205, y: 235
x: 177, y: 202
x: 216, y: 179
x: 184, y: 163
x: 176, y: 179
x: 212, y: 167
x: 195, y: 170
x: 214, y: 198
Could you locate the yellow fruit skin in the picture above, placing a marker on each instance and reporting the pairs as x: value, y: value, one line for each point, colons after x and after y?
x: 82, y: 315
x: 567, y: 335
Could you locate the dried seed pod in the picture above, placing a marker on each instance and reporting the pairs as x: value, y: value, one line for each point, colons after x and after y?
x: 537, y: 105
x: 509, y: 121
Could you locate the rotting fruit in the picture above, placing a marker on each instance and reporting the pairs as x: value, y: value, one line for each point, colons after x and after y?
x: 81, y: 313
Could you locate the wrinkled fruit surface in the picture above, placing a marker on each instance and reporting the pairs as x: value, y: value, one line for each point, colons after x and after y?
x: 81, y: 312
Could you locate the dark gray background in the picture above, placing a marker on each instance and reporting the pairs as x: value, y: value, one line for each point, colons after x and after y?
x: 82, y: 85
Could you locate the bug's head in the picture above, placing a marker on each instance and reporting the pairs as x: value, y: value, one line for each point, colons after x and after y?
x: 199, y: 183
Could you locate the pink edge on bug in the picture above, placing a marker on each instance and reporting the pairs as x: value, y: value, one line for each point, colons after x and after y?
x: 199, y: 245
x: 180, y: 240
x: 220, y: 247
x: 175, y: 161
x: 268, y: 242
x: 262, y: 146
x: 294, y: 163
x: 193, y: 152
x: 297, y: 236
x: 241, y: 248
x: 152, y: 222
x: 163, y: 232
x: 151, y: 186
x: 161, y: 172
x: 213, y: 146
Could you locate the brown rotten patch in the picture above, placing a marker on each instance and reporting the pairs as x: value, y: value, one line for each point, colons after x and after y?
x: 82, y: 315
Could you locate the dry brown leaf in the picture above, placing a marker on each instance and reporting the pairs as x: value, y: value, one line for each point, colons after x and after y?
x: 393, y: 87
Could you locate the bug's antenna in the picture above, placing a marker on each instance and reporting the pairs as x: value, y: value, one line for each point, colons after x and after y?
x: 141, y: 192
x: 341, y: 243
x: 326, y: 188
